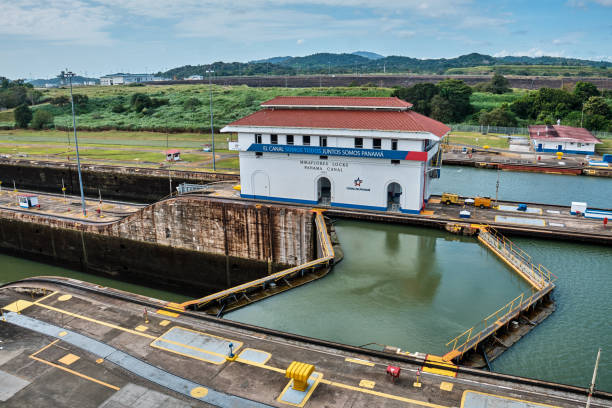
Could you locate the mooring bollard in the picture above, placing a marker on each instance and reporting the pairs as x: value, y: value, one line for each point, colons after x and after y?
x: 146, y: 316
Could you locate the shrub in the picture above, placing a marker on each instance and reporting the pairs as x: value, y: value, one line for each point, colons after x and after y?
x: 119, y: 108
x: 136, y: 84
x: 139, y: 101
x: 42, y: 119
x: 191, y: 103
x: 157, y: 102
x: 61, y: 100
x: 23, y: 116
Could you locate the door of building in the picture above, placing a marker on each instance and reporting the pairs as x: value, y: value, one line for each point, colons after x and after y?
x: 539, y: 147
x: 324, y: 191
x: 261, y: 184
x: 559, y: 148
x: 394, y: 192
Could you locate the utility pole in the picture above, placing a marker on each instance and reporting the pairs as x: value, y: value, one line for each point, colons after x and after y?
x: 592, y: 387
x: 69, y: 75
x: 212, y: 130
x: 497, y: 188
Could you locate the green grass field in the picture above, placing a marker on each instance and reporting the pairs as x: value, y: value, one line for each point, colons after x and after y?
x: 477, y: 139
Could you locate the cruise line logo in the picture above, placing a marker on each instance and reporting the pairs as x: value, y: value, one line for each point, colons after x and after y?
x: 357, y: 182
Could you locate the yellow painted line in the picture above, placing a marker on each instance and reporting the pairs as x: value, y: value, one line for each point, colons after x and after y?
x: 75, y: 373
x: 68, y: 359
x: 466, y: 392
x: 359, y: 361
x: 141, y: 328
x: 260, y: 365
x: 64, y: 298
x: 33, y: 356
x: 259, y: 351
x: 46, y: 347
x: 45, y: 297
x: 367, y: 384
x: 383, y: 395
x: 164, y: 323
x: 306, y: 397
x: 18, y: 305
x: 188, y: 355
x: 89, y: 319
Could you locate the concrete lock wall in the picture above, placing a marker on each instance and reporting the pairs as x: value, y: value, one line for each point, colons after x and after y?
x: 194, y: 246
x: 113, y: 182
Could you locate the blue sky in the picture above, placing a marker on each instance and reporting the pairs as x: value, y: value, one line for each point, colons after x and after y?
x: 40, y: 38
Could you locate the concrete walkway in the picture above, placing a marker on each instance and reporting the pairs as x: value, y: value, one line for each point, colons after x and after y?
x: 132, y: 364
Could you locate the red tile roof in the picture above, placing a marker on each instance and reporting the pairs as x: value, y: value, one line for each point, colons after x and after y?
x: 403, y: 121
x: 337, y: 102
x: 557, y: 132
x: 172, y: 151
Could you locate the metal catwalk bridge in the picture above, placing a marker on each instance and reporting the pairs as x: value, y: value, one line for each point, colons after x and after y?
x: 540, y: 278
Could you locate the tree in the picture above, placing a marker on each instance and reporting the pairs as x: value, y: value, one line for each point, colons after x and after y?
x: 499, y: 84
x: 42, y: 119
x: 452, y: 104
x: 596, y: 105
x: 501, y: 116
x: 33, y: 96
x: 420, y: 95
x: 23, y: 116
x: 442, y: 109
x: 584, y: 90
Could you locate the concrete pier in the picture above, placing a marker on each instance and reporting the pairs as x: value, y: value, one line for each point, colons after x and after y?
x: 67, y: 343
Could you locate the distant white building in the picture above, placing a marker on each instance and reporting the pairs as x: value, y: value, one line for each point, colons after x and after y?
x: 566, y: 139
x: 123, y: 79
x: 351, y: 152
x: 195, y: 78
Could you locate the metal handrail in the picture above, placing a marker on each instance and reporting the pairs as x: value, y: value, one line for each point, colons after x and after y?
x: 540, y: 277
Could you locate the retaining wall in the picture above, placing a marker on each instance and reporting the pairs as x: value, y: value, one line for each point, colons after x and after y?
x: 192, y: 246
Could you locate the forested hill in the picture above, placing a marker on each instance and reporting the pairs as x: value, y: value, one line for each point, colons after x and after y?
x: 328, y: 63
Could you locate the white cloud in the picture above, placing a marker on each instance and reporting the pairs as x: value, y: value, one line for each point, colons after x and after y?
x: 300, y: 41
x: 584, y: 3
x: 70, y: 21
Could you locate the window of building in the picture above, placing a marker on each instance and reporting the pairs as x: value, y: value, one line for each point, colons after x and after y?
x: 579, y: 144
x: 393, y: 144
x: 395, y: 161
x: 322, y: 157
x: 306, y: 140
x: 289, y: 139
x: 376, y: 143
x: 323, y: 141
x: 257, y: 138
x: 258, y: 154
x: 273, y: 139
x: 359, y: 142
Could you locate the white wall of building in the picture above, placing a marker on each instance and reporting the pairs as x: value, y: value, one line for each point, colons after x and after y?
x: 356, y: 182
x: 566, y: 146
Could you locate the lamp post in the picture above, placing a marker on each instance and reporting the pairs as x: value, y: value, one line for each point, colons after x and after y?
x: 68, y: 74
x: 212, y: 130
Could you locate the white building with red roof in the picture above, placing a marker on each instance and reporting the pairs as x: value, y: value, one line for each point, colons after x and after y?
x: 566, y: 139
x: 351, y: 152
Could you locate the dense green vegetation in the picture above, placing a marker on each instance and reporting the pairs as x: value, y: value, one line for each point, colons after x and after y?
x: 171, y: 108
x: 328, y: 63
x: 535, y: 70
x: 15, y: 93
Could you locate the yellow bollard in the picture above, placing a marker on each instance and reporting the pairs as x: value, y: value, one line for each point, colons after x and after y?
x: 299, y: 372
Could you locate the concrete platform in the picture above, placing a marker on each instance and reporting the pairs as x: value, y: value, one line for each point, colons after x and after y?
x: 114, y: 353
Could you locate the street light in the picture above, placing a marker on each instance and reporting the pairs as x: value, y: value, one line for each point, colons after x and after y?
x: 212, y: 130
x: 68, y: 75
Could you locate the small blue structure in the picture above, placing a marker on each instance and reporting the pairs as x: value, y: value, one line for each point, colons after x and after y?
x: 522, y: 207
